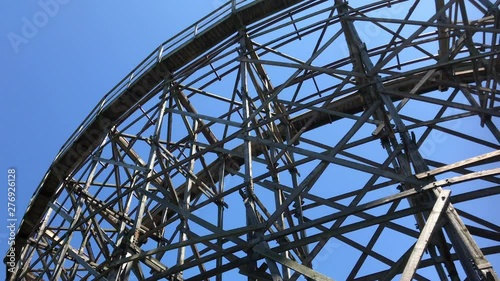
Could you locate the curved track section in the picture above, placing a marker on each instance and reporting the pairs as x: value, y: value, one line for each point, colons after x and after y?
x: 287, y: 140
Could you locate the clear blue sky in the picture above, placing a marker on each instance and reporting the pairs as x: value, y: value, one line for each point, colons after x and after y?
x: 52, y: 78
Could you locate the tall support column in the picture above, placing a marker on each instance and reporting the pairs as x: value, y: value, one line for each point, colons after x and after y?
x: 300, y: 214
x: 185, y: 203
x: 247, y: 149
x: 122, y: 273
x: 471, y: 257
x: 296, y: 121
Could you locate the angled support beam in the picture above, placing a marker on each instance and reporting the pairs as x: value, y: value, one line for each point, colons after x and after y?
x: 205, y: 130
x: 248, y: 191
x: 309, y: 181
x: 124, y: 165
x: 422, y: 242
x: 123, y: 272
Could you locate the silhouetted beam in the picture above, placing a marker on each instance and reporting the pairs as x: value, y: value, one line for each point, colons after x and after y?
x: 444, y: 42
x: 351, y: 104
x: 486, y: 158
x: 89, y: 140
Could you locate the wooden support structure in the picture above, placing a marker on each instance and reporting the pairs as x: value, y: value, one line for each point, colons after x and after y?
x: 430, y: 227
x: 263, y: 139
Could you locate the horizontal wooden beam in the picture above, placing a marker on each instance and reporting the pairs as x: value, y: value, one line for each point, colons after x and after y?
x: 478, y: 160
